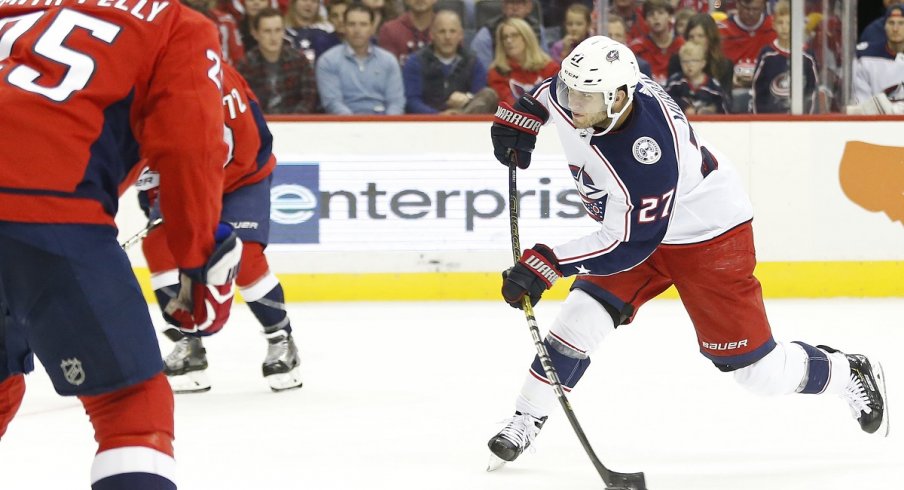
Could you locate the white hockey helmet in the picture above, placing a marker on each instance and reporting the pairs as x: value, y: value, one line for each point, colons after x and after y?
x: 592, y: 74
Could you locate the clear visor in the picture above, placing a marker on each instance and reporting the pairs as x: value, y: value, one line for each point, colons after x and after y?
x: 579, y: 102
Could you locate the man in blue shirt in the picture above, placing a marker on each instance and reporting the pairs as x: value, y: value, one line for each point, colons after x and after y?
x: 357, y: 77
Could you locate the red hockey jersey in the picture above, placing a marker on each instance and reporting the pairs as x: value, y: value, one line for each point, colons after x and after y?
x: 743, y: 45
x: 251, y: 142
x: 90, y: 86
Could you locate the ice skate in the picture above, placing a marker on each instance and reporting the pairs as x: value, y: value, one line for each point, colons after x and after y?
x: 513, y: 439
x: 282, y: 365
x: 865, y: 393
x: 186, y: 366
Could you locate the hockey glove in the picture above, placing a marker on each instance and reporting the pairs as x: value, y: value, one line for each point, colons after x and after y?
x: 205, y: 297
x: 515, y: 129
x: 536, y: 272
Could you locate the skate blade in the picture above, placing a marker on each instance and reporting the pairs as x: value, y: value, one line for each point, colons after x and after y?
x: 191, y: 382
x: 495, y: 463
x: 285, y: 381
x: 880, y: 380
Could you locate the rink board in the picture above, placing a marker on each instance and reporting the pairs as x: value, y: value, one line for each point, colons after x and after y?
x: 366, y: 210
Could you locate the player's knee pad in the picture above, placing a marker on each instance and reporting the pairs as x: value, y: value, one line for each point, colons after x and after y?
x: 12, y: 389
x: 778, y: 373
x: 254, y: 267
x: 582, y: 323
x: 570, y: 365
x: 140, y: 415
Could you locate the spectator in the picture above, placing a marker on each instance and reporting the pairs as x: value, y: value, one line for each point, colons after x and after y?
x: 444, y: 77
x: 699, y: 6
x: 336, y: 15
x: 280, y: 76
x: 576, y: 27
x: 874, y: 32
x: 408, y: 32
x: 879, y: 68
x: 635, y: 23
x: 307, y: 31
x: 772, y: 76
x: 744, y: 35
x: 252, y: 8
x: 227, y: 27
x: 694, y: 90
x: 661, y: 43
x: 618, y: 32
x: 483, y: 43
x: 357, y: 77
x: 701, y: 29
x: 519, y: 64
x: 681, y: 18
x: 384, y: 11
x: 554, y: 12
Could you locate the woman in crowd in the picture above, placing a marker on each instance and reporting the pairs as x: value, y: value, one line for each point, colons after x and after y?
x: 576, y: 28
x: 701, y: 29
x: 519, y: 63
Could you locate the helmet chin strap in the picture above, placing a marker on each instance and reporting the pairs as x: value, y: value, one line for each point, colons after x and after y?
x: 613, y: 118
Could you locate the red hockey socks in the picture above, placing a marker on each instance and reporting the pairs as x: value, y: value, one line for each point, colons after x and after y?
x: 12, y: 389
x: 133, y: 427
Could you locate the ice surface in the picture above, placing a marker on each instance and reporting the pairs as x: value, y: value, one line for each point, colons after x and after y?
x: 405, y: 396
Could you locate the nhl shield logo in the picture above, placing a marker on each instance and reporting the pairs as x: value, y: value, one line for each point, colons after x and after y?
x: 72, y: 371
x: 612, y: 55
x: 646, y: 150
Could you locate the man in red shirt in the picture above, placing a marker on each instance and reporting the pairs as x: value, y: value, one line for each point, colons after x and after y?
x: 744, y: 35
x: 408, y: 32
x: 661, y: 43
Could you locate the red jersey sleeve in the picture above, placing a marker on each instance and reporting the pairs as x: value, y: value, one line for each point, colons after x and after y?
x: 183, y: 134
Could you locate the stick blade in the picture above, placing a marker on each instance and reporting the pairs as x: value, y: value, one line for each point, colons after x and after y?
x: 626, y: 481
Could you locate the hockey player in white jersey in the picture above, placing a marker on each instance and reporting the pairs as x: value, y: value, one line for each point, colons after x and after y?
x: 671, y: 212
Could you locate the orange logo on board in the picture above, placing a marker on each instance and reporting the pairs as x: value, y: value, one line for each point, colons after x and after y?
x: 873, y: 177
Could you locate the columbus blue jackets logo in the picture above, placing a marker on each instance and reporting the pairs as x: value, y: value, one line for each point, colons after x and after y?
x: 612, y: 56
x: 646, y: 150
x: 592, y: 196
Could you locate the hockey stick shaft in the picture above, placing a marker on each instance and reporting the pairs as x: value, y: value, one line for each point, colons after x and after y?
x: 614, y: 480
x: 141, y: 234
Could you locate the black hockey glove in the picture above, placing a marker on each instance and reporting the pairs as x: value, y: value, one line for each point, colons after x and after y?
x: 536, y: 272
x: 515, y: 129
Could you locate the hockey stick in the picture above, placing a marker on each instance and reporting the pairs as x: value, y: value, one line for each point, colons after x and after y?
x: 141, y: 234
x: 613, y: 479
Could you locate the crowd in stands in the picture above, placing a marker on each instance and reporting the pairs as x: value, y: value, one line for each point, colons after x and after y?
x: 464, y: 56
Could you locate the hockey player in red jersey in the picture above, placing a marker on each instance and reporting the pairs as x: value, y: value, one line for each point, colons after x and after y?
x: 246, y: 205
x: 87, y: 88
x: 671, y: 211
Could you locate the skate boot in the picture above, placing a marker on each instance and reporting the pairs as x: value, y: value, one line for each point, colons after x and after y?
x: 185, y: 366
x: 514, y: 438
x: 865, y: 393
x: 282, y: 365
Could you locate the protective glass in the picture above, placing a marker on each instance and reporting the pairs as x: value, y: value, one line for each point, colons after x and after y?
x: 579, y: 102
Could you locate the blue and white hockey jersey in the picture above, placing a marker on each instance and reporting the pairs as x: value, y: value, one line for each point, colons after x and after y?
x: 772, y: 81
x: 876, y: 70
x: 651, y: 182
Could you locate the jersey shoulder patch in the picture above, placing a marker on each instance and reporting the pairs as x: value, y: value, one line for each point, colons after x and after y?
x: 646, y: 150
